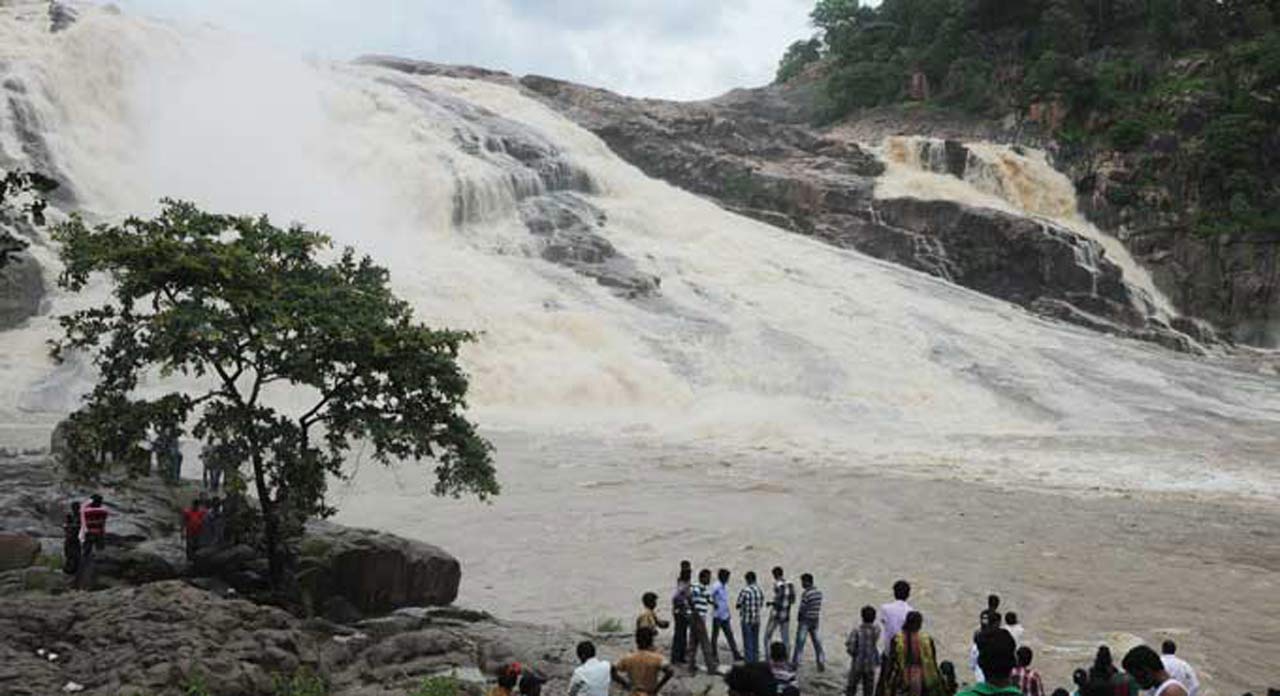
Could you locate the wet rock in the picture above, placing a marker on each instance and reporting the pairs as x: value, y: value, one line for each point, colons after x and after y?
x: 374, y: 571
x: 570, y: 232
x: 21, y: 290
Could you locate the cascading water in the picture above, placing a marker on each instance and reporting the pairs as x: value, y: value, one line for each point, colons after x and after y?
x: 1019, y: 181
x: 612, y: 306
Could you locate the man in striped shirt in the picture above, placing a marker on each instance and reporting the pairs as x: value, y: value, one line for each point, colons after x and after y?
x: 784, y: 595
x: 750, y: 601
x: 699, y: 639
x: 1026, y: 679
x: 807, y: 621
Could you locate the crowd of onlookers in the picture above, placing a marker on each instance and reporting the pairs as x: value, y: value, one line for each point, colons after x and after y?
x: 890, y: 653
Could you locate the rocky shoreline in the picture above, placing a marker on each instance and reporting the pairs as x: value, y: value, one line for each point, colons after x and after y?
x: 377, y: 619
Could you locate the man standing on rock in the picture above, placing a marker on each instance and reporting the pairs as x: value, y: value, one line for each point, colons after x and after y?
x: 750, y: 602
x: 721, y: 619
x: 93, y: 536
x: 192, y: 525
x: 894, y: 614
x: 648, y: 617
x: 681, y: 608
x: 699, y: 639
x: 808, y: 619
x: 784, y: 595
x: 643, y: 672
x: 591, y: 678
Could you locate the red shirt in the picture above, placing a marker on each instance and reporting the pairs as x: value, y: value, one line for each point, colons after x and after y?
x: 1028, y: 681
x: 193, y: 521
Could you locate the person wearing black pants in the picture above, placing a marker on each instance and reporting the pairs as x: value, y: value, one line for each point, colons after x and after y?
x: 681, y: 607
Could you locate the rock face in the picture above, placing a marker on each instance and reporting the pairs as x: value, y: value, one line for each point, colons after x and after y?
x: 374, y: 572
x: 754, y: 158
x: 21, y: 290
x: 151, y: 639
x: 1148, y: 196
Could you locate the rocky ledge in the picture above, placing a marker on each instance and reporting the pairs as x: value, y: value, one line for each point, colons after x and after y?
x: 374, y: 616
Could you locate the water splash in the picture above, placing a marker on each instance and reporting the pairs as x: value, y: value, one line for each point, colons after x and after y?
x: 749, y: 339
x: 1016, y: 180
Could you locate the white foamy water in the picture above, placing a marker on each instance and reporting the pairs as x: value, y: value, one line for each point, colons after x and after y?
x: 1021, y: 182
x: 758, y: 340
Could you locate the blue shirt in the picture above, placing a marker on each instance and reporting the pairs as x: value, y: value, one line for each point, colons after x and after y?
x: 720, y: 596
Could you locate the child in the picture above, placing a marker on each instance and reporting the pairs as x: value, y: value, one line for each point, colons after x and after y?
x: 648, y: 617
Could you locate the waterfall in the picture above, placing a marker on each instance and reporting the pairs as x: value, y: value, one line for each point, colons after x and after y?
x: 608, y: 303
x: 1017, y: 180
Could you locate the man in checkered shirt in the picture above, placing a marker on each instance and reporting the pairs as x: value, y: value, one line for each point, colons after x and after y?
x: 784, y: 595
x: 750, y: 602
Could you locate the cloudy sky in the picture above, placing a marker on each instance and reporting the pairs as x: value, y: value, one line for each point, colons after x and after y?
x: 681, y: 49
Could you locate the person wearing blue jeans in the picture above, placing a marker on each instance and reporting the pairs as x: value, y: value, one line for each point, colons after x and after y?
x: 784, y: 595
x: 720, y: 617
x: 807, y: 623
x: 750, y: 602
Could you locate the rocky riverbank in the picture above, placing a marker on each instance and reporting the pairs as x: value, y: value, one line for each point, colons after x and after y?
x: 376, y: 617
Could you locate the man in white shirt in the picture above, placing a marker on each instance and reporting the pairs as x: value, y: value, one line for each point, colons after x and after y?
x: 591, y: 678
x: 894, y: 614
x: 1178, y: 668
x: 1013, y: 627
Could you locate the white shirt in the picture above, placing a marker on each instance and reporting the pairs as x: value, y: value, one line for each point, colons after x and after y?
x: 1170, y: 683
x: 1015, y: 631
x: 892, y: 616
x: 1180, y: 670
x: 591, y: 678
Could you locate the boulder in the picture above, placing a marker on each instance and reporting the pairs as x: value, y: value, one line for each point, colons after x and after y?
x: 134, y: 566
x: 17, y: 551
x: 373, y: 571
x: 21, y: 290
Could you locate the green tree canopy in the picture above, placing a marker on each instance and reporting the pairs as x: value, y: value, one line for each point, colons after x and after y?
x: 240, y: 305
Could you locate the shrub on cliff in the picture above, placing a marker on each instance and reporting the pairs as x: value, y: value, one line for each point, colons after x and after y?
x: 243, y: 308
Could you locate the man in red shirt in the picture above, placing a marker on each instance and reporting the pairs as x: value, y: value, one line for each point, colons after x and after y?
x: 1026, y: 679
x: 192, y: 524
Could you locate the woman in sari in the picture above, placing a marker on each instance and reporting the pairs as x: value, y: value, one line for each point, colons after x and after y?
x: 912, y: 665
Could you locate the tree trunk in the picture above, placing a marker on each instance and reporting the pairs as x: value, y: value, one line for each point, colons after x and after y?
x: 270, y: 524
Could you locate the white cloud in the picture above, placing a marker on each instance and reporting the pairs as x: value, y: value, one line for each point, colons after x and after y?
x: 681, y: 49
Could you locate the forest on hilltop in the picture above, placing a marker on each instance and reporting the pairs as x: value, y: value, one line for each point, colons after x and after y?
x: 1201, y: 76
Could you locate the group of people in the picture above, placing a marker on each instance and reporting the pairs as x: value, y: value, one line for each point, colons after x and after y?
x: 204, y: 524
x: 84, y: 534
x: 890, y: 653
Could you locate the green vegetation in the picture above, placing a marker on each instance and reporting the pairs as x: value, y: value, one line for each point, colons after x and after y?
x: 240, y: 308
x: 1126, y: 75
x: 304, y: 682
x: 440, y: 685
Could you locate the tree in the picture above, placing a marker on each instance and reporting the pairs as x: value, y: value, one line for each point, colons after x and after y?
x: 243, y: 308
x: 799, y: 54
x: 21, y: 198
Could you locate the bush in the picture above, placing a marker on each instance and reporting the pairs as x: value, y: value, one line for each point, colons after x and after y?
x: 798, y: 55
x: 304, y: 682
x: 439, y: 685
x: 1127, y: 135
